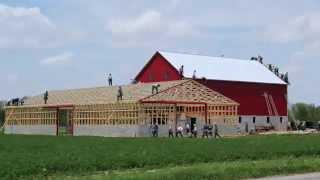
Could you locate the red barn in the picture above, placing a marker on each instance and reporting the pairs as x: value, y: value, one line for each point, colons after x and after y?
x: 261, y: 93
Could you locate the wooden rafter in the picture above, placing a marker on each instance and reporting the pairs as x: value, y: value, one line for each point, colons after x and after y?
x: 190, y: 91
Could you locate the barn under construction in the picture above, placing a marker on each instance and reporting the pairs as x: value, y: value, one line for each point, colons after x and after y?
x: 98, y: 111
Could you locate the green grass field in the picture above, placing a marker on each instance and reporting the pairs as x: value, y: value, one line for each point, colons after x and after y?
x: 217, y: 170
x: 80, y: 157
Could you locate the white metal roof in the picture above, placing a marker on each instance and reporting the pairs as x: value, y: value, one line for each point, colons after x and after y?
x: 220, y: 68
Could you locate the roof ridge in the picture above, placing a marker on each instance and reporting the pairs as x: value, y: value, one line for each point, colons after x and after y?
x: 222, y: 68
x: 182, y: 82
x: 114, y: 86
x: 192, y: 84
x: 190, y: 54
x: 106, y: 94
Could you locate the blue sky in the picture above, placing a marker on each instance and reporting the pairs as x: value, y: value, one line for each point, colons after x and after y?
x: 70, y: 44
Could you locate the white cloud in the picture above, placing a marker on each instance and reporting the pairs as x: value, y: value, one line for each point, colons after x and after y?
x: 147, y: 28
x: 27, y: 28
x: 304, y: 29
x: 180, y: 30
x: 296, y: 29
x: 58, y: 59
x: 147, y: 22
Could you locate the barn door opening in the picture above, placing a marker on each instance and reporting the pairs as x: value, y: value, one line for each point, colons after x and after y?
x: 65, y: 122
x: 193, y: 122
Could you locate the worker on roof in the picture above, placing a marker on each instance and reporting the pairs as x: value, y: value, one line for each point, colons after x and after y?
x: 155, y: 88
x: 260, y: 59
x: 120, y: 94
x: 110, y: 79
x: 181, y: 70
x: 46, y: 97
x: 194, y: 74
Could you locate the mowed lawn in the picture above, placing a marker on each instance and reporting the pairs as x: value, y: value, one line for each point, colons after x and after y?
x: 57, y: 157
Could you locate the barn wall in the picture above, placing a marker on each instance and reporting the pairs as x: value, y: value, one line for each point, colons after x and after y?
x: 262, y: 121
x: 250, y: 96
x: 118, y: 130
x: 158, y: 69
x: 223, y: 129
x: 30, y: 129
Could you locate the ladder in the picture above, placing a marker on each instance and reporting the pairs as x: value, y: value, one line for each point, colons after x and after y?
x: 273, y: 105
x: 266, y: 98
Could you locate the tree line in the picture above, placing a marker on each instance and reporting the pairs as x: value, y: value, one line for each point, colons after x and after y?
x: 2, y: 113
x: 304, y: 112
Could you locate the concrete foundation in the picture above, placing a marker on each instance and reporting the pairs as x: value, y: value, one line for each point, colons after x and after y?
x: 280, y: 123
x: 30, y: 129
x: 138, y: 130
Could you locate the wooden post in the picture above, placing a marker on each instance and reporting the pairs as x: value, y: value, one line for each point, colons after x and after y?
x: 57, y: 122
x: 206, y: 112
x: 175, y: 117
x: 72, y: 120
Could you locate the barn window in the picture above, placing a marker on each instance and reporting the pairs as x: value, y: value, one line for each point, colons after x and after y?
x: 240, y: 119
x: 281, y: 120
x: 268, y: 119
x: 254, y: 120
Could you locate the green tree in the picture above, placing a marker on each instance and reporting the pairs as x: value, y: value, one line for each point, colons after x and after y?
x: 291, y: 115
x: 2, y: 113
x: 304, y: 112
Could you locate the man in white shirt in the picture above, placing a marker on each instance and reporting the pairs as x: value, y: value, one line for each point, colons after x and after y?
x: 179, y: 131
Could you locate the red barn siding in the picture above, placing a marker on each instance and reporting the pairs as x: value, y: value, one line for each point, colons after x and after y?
x: 249, y: 95
x: 158, y: 69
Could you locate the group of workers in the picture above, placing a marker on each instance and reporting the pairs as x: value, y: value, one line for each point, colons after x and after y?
x: 208, y: 130
x: 181, y: 71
